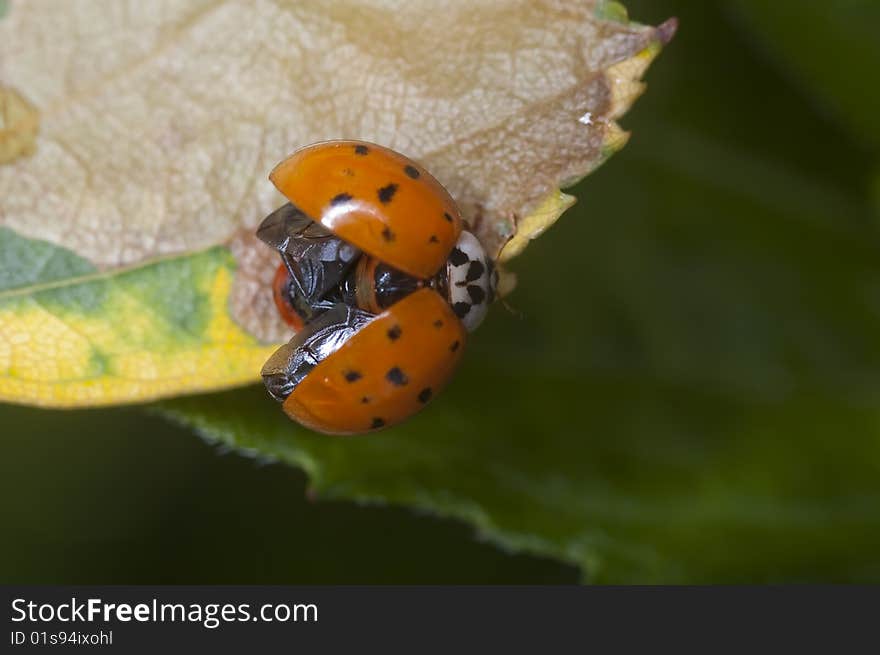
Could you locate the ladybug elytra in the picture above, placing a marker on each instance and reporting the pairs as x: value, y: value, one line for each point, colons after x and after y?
x: 378, y: 278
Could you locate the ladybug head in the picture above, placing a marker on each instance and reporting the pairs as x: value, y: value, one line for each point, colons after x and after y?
x: 471, y: 281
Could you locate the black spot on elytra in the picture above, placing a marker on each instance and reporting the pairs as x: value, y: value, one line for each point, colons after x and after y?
x: 476, y: 293
x: 394, y: 332
x: 454, y: 346
x: 438, y: 323
x: 339, y: 198
x: 412, y: 171
x: 396, y: 377
x: 433, y: 239
x: 475, y: 270
x: 447, y: 216
x: 457, y: 257
x: 425, y: 395
x: 353, y: 376
x: 461, y: 308
x: 377, y: 423
x: 386, y: 193
x: 365, y: 400
x: 387, y: 234
x: 361, y: 150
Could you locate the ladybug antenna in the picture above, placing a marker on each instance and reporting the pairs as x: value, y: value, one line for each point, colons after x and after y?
x: 513, y: 311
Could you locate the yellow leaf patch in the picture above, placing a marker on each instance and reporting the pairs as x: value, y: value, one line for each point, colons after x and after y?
x: 19, y: 123
x: 533, y: 225
x: 89, y: 339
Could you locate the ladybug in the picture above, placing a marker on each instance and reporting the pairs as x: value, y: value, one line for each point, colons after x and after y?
x: 378, y: 278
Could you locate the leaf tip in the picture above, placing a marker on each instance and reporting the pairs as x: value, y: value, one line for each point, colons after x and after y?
x: 666, y: 30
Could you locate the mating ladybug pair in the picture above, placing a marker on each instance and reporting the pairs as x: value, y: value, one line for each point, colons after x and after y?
x: 378, y: 278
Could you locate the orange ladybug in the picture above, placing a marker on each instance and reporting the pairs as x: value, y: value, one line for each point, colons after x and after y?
x: 378, y: 278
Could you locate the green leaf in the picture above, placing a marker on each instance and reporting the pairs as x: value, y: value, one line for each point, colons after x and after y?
x: 831, y: 49
x: 695, y: 410
x: 687, y: 388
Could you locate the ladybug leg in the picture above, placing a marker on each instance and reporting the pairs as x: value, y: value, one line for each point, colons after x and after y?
x: 316, y: 259
x: 319, y: 339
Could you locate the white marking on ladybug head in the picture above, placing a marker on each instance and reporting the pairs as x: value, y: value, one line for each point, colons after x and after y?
x: 472, y: 280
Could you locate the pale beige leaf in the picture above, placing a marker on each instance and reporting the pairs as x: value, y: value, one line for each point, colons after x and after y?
x: 160, y: 119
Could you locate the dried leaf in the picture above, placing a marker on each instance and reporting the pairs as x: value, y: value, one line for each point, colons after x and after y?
x: 162, y: 149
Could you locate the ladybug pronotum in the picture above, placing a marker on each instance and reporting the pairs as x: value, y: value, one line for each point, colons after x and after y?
x: 379, y: 280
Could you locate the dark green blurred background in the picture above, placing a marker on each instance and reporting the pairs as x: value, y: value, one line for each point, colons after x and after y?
x: 750, y: 100
x: 114, y: 496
